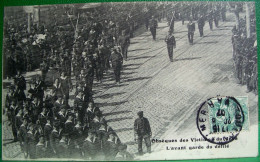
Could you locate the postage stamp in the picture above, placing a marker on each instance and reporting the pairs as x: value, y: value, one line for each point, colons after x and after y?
x: 227, y: 114
x: 220, y: 119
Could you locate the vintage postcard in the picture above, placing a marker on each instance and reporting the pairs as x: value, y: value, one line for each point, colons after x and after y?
x: 117, y: 81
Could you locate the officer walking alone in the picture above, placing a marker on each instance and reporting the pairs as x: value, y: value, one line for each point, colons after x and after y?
x: 142, y: 130
x: 171, y: 43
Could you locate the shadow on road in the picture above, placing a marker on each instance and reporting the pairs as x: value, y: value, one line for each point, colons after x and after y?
x: 116, y: 113
x: 135, y: 79
x: 140, y: 49
x: 131, y: 65
x: 110, y: 104
x: 216, y: 35
x: 123, y: 130
x: 105, y: 96
x: 183, y: 59
x: 213, y: 42
x: 119, y: 119
x: 136, y: 58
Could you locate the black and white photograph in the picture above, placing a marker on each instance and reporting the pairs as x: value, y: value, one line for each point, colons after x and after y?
x: 126, y: 81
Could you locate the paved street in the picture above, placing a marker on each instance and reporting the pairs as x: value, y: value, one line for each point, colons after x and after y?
x: 169, y: 93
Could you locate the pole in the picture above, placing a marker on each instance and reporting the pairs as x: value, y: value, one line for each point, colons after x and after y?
x: 29, y: 23
x: 236, y: 11
x: 248, y: 32
x: 38, y: 24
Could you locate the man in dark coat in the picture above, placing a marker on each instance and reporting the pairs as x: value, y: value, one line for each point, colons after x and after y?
x: 210, y: 19
x: 201, y: 23
x: 171, y: 43
x: 22, y: 137
x: 47, y: 132
x: 31, y: 142
x: 91, y: 146
x: 142, y: 130
x: 41, y: 149
x: 44, y: 69
x: 191, y: 30
x: 153, y: 25
x: 19, y: 81
x: 124, y: 42
x: 54, y: 141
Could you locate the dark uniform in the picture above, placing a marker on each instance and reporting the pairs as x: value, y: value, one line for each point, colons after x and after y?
x: 171, y: 43
x: 142, y: 130
x: 90, y: 147
x: 65, y: 87
x: 22, y: 138
x: 111, y: 147
x: 31, y: 144
x: 210, y: 19
x: 97, y: 65
x: 63, y: 148
x: 44, y: 69
x: 124, y: 42
x: 191, y: 30
x: 41, y: 149
x: 216, y: 17
x: 20, y: 82
x: 201, y: 23
x: 54, y: 142
x: 47, y: 132
x: 153, y: 25
x: 104, y: 53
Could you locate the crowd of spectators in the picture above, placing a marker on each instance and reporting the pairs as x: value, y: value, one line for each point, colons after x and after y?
x: 245, y: 54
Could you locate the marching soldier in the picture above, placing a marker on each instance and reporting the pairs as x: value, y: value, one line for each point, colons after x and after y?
x: 105, y: 55
x: 40, y: 149
x: 124, y: 42
x: 19, y: 81
x: 210, y: 19
x: 216, y: 17
x: 111, y: 146
x: 22, y: 137
x: 54, y: 140
x: 191, y: 30
x: 171, y: 22
x: 47, y: 132
x: 153, y: 26
x: 171, y: 43
x: 142, y: 131
x: 63, y: 147
x: 19, y: 119
x: 65, y: 87
x: 68, y: 128
x: 44, y: 69
x: 13, y: 111
x: 31, y: 142
x: 98, y: 66
x: 201, y: 23
x: 117, y: 62
x: 90, y: 146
